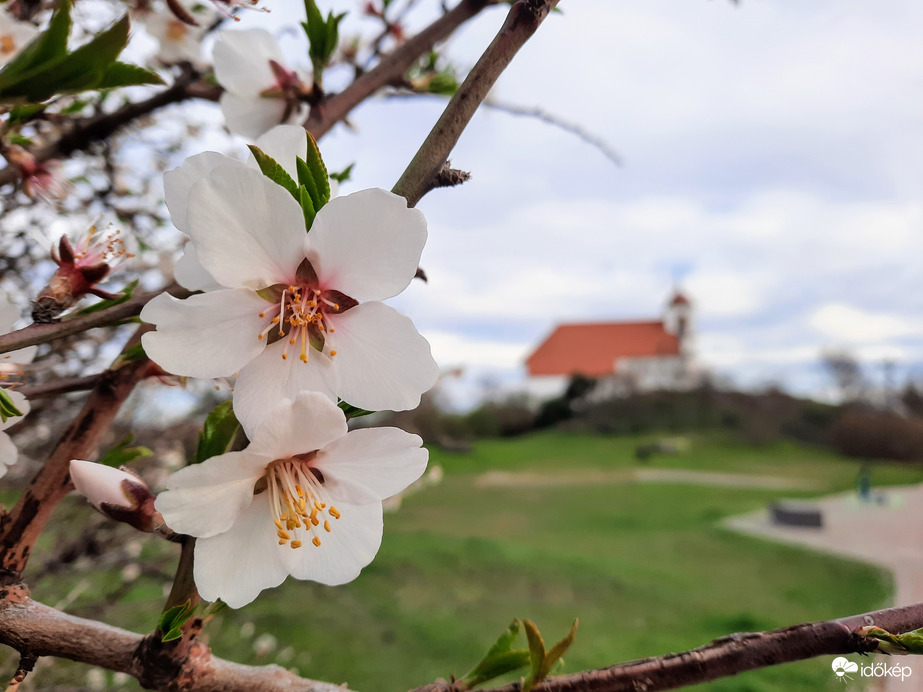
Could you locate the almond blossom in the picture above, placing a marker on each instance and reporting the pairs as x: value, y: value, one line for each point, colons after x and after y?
x: 305, y: 498
x: 260, y: 91
x: 288, y: 316
x: 179, y: 40
x: 117, y: 493
x: 14, y: 36
x: 9, y: 372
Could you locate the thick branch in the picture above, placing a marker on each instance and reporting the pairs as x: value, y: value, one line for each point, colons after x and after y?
x: 29, y: 626
x: 42, y: 333
x: 99, y: 127
x: 21, y: 527
x: 729, y: 655
x: 391, y: 68
x: 521, y: 22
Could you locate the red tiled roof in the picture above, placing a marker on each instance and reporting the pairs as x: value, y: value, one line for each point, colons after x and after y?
x: 592, y: 349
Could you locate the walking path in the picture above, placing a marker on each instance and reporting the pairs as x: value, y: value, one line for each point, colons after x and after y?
x: 887, y: 533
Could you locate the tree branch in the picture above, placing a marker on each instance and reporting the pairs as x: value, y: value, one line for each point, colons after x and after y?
x: 27, y: 625
x: 21, y: 527
x: 391, y: 68
x: 43, y: 333
x: 61, y: 386
x: 99, y: 127
x: 521, y: 22
x: 728, y: 655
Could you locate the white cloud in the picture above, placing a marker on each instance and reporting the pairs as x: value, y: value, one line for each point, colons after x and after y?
x: 844, y: 323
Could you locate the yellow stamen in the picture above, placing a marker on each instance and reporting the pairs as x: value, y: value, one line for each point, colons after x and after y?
x: 326, y: 526
x: 316, y: 541
x: 333, y: 512
x: 295, y: 544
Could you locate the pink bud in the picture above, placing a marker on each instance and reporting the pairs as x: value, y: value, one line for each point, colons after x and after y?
x: 117, y: 493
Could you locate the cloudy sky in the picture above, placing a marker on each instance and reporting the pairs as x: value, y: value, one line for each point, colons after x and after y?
x: 773, y: 166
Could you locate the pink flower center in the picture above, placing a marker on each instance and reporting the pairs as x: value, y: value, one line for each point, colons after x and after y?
x: 301, y: 509
x: 303, y: 315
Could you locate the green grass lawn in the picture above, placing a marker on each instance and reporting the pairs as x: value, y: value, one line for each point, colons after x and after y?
x: 644, y: 566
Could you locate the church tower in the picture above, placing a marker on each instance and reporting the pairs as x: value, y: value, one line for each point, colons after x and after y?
x: 677, y: 319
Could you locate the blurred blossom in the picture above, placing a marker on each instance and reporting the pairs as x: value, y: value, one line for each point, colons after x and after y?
x: 14, y: 36
x: 260, y: 91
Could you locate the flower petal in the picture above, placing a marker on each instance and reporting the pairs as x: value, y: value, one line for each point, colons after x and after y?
x: 251, y: 116
x: 8, y: 453
x: 99, y: 483
x: 351, y: 544
x: 20, y: 402
x: 367, y: 244
x: 248, y: 231
x: 242, y: 60
x: 382, y: 361
x: 178, y: 182
x: 190, y: 273
x: 239, y: 563
x: 371, y: 464
x: 283, y: 143
x: 208, y: 335
x: 306, y: 424
x: 269, y: 379
x: 206, y: 499
x: 21, y: 356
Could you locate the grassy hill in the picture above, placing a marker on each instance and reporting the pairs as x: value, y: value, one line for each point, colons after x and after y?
x: 564, y: 531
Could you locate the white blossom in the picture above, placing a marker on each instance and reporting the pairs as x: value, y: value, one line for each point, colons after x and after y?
x: 14, y: 36
x: 287, y: 317
x: 9, y: 373
x: 259, y: 90
x: 303, y: 499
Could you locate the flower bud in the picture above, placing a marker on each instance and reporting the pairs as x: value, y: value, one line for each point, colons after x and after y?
x: 117, y: 493
x: 80, y: 267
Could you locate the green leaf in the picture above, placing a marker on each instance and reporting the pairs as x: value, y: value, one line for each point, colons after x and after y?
x: 45, y: 68
x: 24, y: 113
x: 172, y: 620
x: 307, y: 205
x: 130, y: 355
x: 122, y: 454
x: 443, y: 84
x: 306, y: 180
x: 499, y: 659
x: 273, y: 170
x: 218, y: 433
x: 110, y: 302
x: 352, y: 411
x: 536, y: 655
x: 7, y: 407
x: 121, y: 74
x: 541, y: 662
x: 343, y: 175
x: 46, y: 47
x: 895, y: 644
x: 17, y: 138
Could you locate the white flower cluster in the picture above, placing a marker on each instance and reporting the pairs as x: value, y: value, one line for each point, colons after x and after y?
x: 298, y: 318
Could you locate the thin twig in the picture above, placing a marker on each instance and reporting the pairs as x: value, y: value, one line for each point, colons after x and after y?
x: 728, y: 655
x: 61, y: 386
x: 43, y: 333
x: 521, y: 22
x: 391, y: 68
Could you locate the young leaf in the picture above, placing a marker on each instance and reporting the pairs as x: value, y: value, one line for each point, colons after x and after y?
x: 343, y: 175
x: 542, y: 662
x: 7, y: 407
x: 172, y: 620
x: 352, y: 411
x: 218, y: 433
x: 108, y: 303
x: 122, y: 454
x: 120, y: 74
x: 274, y: 171
x: 307, y: 205
x: 47, y: 46
x: 499, y: 659
x: 318, y: 170
x: 306, y: 180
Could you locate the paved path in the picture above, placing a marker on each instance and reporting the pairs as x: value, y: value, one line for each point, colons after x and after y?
x: 537, y: 479
x: 889, y: 534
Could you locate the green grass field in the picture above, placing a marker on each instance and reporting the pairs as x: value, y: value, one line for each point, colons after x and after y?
x: 644, y: 566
